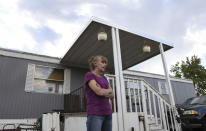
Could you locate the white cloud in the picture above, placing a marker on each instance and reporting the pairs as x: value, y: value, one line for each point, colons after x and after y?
x: 130, y: 3
x: 18, y: 39
x: 86, y: 9
x: 5, y: 4
x: 196, y: 39
x: 12, y: 22
x: 194, y: 43
x: 69, y: 32
x: 170, y: 20
x: 153, y: 65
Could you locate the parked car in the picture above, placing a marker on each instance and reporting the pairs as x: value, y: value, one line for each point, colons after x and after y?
x: 193, y: 113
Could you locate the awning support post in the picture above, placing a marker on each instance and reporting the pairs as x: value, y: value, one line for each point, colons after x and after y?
x: 168, y: 83
x: 120, y: 88
x: 167, y: 75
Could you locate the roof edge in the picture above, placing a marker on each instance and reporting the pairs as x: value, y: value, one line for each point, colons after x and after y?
x: 96, y: 19
x: 153, y: 75
x: 27, y: 55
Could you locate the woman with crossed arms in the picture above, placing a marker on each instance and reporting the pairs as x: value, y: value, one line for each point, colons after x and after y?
x: 98, y: 93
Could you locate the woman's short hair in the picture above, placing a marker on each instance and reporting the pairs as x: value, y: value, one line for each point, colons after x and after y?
x: 94, y: 59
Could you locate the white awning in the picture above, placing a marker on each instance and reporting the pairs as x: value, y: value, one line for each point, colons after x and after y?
x: 87, y: 45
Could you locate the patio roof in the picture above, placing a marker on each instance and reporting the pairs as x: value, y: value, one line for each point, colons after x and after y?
x: 131, y: 43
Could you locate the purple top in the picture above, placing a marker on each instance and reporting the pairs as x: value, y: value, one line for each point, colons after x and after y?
x: 96, y: 105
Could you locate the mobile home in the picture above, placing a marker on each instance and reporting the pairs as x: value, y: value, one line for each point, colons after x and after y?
x: 33, y: 84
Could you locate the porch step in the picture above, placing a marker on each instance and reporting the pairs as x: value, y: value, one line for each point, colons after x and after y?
x: 152, y: 121
x: 158, y: 130
x: 155, y: 127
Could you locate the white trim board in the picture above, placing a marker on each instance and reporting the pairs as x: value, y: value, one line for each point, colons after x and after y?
x: 151, y: 75
x: 29, y: 56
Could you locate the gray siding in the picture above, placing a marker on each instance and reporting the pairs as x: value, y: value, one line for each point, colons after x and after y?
x: 182, y: 91
x: 77, y: 77
x: 15, y: 103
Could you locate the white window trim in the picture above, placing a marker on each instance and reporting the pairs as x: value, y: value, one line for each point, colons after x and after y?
x: 30, y: 78
x: 29, y: 85
x: 67, y: 81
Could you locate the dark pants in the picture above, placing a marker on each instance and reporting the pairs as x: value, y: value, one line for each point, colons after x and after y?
x: 99, y: 123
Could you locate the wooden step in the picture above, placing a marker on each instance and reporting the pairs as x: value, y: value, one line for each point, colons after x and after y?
x: 159, y: 130
x: 155, y: 127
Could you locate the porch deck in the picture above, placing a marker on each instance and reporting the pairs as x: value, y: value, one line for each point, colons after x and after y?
x: 146, y: 107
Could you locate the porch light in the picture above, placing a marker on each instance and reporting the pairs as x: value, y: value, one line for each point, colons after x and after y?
x: 146, y: 48
x: 102, y: 35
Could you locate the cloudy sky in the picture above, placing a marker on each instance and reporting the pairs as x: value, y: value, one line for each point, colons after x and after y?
x: 49, y: 27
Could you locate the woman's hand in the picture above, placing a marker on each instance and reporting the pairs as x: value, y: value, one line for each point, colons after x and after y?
x: 111, y: 93
x: 108, y: 92
x: 101, y: 91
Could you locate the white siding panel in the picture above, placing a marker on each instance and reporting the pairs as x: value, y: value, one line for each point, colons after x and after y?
x: 67, y: 81
x: 30, y: 78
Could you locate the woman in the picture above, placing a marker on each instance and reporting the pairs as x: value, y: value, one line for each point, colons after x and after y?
x: 98, y: 93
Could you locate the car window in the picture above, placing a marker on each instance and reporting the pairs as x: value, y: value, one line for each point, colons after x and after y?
x: 188, y: 101
x: 195, y: 100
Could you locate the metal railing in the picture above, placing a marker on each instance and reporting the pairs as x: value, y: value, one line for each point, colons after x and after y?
x: 76, y: 101
x: 142, y: 98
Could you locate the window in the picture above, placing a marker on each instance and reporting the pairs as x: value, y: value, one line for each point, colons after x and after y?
x: 44, y: 79
x: 163, y: 87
